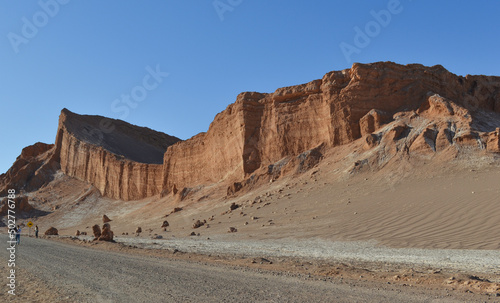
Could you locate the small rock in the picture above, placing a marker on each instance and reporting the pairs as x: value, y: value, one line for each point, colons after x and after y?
x: 176, y: 210
x: 232, y: 230
x: 198, y: 224
x: 105, y: 219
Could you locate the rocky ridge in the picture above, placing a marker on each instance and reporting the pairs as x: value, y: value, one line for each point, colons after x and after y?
x: 395, y: 112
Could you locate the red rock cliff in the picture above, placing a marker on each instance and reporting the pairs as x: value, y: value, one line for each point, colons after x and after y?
x: 260, y: 129
x: 123, y: 161
x: 396, y: 108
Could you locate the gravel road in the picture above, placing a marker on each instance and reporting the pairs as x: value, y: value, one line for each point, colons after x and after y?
x: 81, y: 274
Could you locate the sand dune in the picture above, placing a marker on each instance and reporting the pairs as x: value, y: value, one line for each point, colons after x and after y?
x: 436, y: 208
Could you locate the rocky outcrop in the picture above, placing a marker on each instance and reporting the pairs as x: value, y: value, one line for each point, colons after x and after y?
x: 395, y: 109
x: 493, y: 144
x: 20, y: 204
x: 259, y: 130
x: 121, y: 160
x: 106, y: 234
x: 96, y: 229
x: 31, y: 170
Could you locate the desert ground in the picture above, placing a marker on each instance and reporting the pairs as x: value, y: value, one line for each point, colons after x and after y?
x: 438, y: 223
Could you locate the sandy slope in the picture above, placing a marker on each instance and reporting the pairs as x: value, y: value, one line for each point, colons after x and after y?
x: 445, y: 207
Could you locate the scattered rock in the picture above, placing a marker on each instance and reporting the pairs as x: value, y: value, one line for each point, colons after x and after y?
x: 106, y: 234
x: 175, y: 210
x: 157, y: 237
x: 106, y: 219
x: 138, y: 230
x: 192, y: 234
x: 234, y: 188
x: 52, y: 232
x: 233, y: 206
x: 232, y: 230
x: 165, y: 224
x: 97, y: 231
x: 77, y: 233
x: 198, y: 223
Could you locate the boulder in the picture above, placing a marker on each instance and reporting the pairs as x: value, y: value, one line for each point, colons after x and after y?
x: 106, y: 234
x: 106, y: 219
x: 52, y: 232
x: 97, y: 231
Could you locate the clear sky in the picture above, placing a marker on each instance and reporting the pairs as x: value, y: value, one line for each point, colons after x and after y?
x: 181, y: 62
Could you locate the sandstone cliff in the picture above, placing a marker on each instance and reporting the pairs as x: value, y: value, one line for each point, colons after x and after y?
x: 31, y: 170
x: 123, y: 161
x: 394, y: 110
x: 260, y: 130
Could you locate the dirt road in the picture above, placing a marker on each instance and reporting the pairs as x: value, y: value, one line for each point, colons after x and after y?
x: 79, y: 274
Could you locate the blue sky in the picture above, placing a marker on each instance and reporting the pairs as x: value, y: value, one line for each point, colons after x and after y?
x: 185, y: 61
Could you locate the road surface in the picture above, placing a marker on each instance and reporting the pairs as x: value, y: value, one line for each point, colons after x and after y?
x: 82, y: 274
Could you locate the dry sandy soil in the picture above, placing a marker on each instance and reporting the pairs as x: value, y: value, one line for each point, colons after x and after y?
x: 435, y: 207
x: 437, y: 222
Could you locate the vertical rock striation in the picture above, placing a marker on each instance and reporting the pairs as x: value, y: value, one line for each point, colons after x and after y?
x: 408, y: 108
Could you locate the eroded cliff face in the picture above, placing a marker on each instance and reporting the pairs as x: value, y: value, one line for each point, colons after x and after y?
x: 31, y: 170
x: 102, y: 151
x: 392, y: 109
x: 260, y: 130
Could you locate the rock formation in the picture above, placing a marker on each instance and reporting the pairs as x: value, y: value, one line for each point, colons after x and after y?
x: 106, y: 234
x: 122, y: 160
x: 408, y: 110
x: 31, y: 170
x: 52, y: 232
x: 106, y: 219
x: 96, y: 229
x: 269, y: 130
x: 21, y: 206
